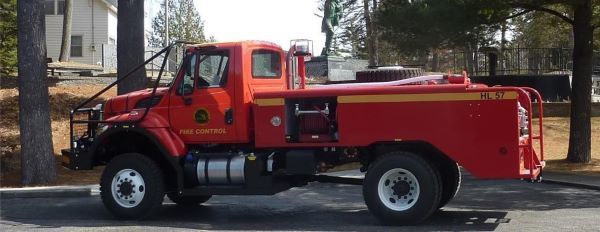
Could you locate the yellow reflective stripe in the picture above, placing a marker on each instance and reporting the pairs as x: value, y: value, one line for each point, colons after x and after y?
x: 477, y: 96
x: 269, y: 102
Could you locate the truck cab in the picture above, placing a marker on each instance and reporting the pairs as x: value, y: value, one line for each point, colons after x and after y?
x: 218, y: 85
x: 210, y: 99
x: 234, y: 122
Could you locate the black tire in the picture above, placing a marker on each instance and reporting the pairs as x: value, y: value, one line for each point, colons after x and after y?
x: 451, y: 179
x: 428, y: 186
x: 382, y: 75
x: 187, y: 200
x: 152, y: 186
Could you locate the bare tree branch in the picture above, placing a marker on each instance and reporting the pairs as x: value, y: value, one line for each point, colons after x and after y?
x: 512, y: 16
x: 546, y: 10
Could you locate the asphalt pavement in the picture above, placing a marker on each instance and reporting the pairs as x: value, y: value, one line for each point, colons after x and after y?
x: 482, y: 205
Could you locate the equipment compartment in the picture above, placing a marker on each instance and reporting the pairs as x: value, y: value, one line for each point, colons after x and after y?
x: 311, y: 120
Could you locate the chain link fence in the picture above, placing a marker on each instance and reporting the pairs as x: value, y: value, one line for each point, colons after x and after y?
x: 109, y: 59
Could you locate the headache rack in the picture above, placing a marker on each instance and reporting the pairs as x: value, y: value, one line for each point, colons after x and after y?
x: 85, y: 122
x: 531, y: 163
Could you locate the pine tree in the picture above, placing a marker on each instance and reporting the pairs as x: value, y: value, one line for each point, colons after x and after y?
x: 184, y: 24
x: 130, y: 45
x: 37, y: 156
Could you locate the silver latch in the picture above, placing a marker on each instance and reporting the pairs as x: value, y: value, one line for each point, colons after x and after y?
x: 298, y: 112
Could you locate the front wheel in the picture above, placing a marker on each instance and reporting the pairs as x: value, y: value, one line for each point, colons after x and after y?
x: 131, y: 186
x: 402, y: 188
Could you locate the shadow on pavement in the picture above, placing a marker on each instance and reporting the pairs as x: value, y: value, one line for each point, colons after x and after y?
x: 521, y: 195
x: 82, y: 212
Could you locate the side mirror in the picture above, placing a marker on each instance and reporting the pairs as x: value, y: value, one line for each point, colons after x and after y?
x: 188, y: 64
x: 186, y: 88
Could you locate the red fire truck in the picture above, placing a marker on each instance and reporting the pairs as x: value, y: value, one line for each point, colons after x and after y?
x: 232, y: 122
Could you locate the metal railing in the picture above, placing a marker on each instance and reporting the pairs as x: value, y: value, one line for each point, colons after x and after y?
x: 515, y: 61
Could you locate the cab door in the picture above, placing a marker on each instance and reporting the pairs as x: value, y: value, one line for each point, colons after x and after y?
x: 201, y: 107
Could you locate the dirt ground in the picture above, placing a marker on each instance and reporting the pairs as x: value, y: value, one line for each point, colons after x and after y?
x: 556, y: 143
x: 63, y: 98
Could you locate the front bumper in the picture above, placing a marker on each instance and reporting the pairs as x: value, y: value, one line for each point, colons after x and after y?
x: 76, y: 160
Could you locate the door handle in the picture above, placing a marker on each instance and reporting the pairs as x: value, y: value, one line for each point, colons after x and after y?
x: 229, y: 116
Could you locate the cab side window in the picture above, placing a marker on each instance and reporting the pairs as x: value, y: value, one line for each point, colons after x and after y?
x: 212, y: 69
x: 266, y: 64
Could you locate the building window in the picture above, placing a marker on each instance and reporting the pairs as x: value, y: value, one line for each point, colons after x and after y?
x: 60, y: 7
x: 49, y: 7
x: 76, y: 46
x: 266, y: 64
x: 54, y: 7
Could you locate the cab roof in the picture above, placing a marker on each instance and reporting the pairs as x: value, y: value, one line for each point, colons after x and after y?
x: 244, y: 43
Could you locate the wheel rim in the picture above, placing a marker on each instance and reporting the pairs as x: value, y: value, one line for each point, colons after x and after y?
x: 398, y: 189
x: 128, y: 188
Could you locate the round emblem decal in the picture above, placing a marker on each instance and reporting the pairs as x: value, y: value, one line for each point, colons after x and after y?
x: 202, y: 116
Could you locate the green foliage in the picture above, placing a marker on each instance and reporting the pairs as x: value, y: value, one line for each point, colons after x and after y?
x: 414, y: 27
x: 542, y: 29
x: 8, y: 36
x: 539, y: 29
x: 351, y: 35
x: 184, y: 24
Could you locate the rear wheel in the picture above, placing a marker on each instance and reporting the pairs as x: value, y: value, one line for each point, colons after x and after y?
x: 188, y: 200
x: 131, y: 186
x: 451, y: 179
x: 402, y: 188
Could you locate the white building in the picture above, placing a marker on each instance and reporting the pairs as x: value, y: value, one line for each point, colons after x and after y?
x: 94, y: 24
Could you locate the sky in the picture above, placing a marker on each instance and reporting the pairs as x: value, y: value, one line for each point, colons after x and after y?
x: 277, y: 21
